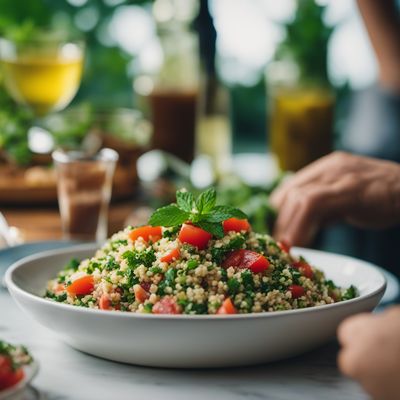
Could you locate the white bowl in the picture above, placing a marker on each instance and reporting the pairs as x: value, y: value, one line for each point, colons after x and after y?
x: 192, y: 341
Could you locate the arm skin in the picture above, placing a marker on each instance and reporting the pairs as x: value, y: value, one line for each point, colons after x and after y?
x: 362, y: 191
x: 382, y: 21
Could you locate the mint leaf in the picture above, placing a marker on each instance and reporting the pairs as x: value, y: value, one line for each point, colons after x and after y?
x: 185, y: 200
x: 206, y: 201
x: 168, y: 216
x: 221, y: 213
x: 215, y: 229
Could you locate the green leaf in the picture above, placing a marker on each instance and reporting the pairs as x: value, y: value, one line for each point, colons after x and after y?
x: 168, y: 216
x: 221, y: 213
x: 206, y: 201
x: 215, y: 229
x: 185, y: 200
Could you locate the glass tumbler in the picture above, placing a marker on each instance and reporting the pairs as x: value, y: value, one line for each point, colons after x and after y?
x: 84, y: 184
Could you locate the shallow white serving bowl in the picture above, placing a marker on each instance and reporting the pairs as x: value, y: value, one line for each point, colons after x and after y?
x: 192, y: 341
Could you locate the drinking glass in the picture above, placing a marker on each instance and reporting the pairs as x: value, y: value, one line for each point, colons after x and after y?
x: 42, y: 73
x: 84, y: 184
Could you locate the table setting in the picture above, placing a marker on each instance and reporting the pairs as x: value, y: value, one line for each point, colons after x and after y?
x: 175, y: 219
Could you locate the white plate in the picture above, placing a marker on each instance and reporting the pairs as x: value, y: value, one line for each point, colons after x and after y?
x: 192, y: 341
x: 17, y: 392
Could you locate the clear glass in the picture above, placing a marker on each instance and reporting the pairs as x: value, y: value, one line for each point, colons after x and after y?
x: 84, y: 184
x: 43, y: 74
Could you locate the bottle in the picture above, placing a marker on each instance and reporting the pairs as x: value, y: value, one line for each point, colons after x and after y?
x: 170, y: 93
x: 213, y: 135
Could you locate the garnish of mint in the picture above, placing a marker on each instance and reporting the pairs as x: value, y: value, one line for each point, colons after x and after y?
x: 202, y: 212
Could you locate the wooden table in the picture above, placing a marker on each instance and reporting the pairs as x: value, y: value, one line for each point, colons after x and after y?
x: 45, y: 224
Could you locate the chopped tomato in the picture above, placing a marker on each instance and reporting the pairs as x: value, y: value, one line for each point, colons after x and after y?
x: 147, y: 232
x: 8, y: 377
x: 227, y: 307
x: 246, y: 259
x: 297, y: 291
x: 284, y: 246
x: 166, y: 305
x: 171, y: 256
x: 140, y: 294
x: 304, y: 268
x: 81, y: 286
x: 104, y: 302
x: 195, y: 236
x: 236, y: 225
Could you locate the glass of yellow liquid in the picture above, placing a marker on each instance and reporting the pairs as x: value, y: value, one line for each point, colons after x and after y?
x: 43, y: 74
x: 301, y: 125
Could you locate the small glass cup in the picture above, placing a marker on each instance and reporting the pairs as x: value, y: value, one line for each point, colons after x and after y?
x: 84, y: 184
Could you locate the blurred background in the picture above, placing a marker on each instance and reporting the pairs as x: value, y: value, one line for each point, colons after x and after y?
x: 234, y: 93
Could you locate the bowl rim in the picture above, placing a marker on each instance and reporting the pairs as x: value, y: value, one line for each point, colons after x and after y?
x: 14, y: 288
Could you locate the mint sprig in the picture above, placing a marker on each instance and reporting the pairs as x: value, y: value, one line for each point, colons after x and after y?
x: 202, y: 212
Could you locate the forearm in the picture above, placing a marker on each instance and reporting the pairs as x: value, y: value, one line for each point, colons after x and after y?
x: 383, y: 25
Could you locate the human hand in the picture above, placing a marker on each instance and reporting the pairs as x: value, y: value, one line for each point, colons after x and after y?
x: 371, y: 352
x: 359, y: 190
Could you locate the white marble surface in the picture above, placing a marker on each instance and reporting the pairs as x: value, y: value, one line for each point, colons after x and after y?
x: 68, y: 374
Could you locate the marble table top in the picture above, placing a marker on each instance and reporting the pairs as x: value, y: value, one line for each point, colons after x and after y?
x: 66, y: 373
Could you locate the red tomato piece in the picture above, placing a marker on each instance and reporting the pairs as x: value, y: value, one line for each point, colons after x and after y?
x: 171, y: 256
x: 81, y: 286
x: 140, y: 294
x: 227, y: 307
x: 304, y: 268
x: 249, y: 259
x: 236, y: 225
x: 104, y: 302
x: 194, y: 235
x: 166, y: 305
x: 284, y: 246
x: 297, y: 291
x: 147, y: 232
x: 8, y: 377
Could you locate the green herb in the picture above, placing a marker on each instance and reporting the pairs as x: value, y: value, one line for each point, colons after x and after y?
x: 233, y: 286
x: 247, y: 280
x: 136, y: 258
x: 131, y: 278
x: 170, y: 233
x: 202, y: 212
x: 111, y: 264
x: 192, y: 264
x: 350, y: 293
x: 72, y: 264
x: 330, y: 284
x: 196, y: 308
x: 156, y: 270
x: 148, y: 308
x: 59, y: 298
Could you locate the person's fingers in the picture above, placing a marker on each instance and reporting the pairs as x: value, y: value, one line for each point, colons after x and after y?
x: 295, y: 223
x: 351, y: 328
x: 316, y: 171
x: 307, y: 208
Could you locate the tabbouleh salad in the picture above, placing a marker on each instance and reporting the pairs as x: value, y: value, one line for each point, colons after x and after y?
x: 194, y: 257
